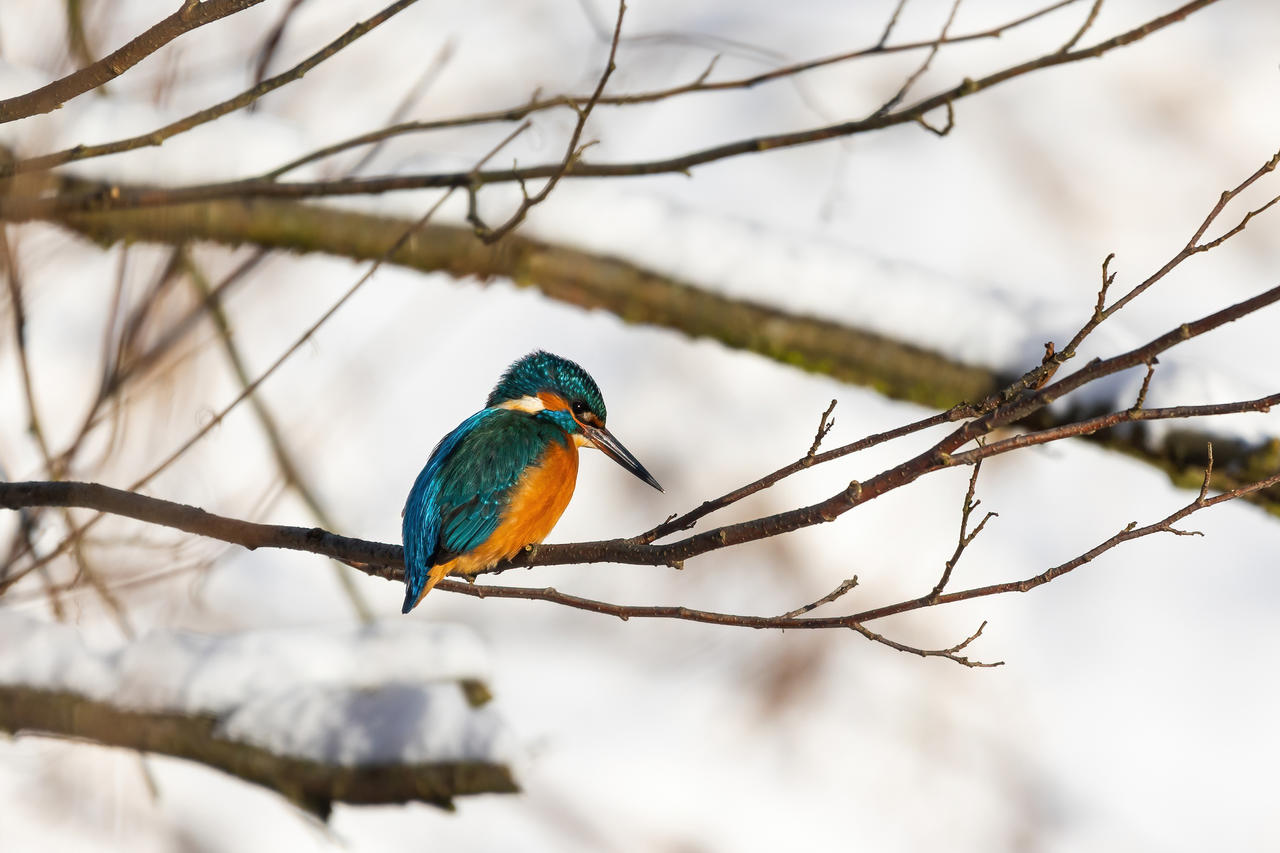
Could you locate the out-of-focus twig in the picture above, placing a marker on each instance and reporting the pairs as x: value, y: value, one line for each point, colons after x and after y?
x: 284, y: 458
x: 159, y: 135
x: 192, y: 14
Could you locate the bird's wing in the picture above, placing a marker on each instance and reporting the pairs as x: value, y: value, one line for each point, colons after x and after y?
x: 458, y: 499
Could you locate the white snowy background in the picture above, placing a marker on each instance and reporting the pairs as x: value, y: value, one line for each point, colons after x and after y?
x: 1137, y: 706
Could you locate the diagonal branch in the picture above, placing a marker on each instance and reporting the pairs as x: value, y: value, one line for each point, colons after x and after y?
x: 190, y: 15
x: 966, y: 536
x: 700, y: 85
x: 384, y: 561
x: 244, y: 99
x: 573, y: 152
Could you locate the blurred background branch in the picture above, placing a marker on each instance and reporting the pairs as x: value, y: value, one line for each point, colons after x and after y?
x: 898, y: 369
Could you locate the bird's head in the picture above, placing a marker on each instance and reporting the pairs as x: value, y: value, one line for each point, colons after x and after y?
x: 557, y: 390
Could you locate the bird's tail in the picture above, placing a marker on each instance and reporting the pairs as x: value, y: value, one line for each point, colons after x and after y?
x: 411, y: 598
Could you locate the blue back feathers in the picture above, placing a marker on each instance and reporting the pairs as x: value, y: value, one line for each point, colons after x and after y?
x: 460, y: 496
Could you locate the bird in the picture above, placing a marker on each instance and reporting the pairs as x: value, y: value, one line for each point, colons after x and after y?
x: 501, y: 479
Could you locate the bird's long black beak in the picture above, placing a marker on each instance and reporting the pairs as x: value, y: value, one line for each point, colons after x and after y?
x: 604, y: 440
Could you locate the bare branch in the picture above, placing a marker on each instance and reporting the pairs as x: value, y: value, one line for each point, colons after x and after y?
x: 700, y: 84
x: 1101, y: 422
x: 824, y: 427
x: 1084, y: 27
x: 891, y: 23
x: 245, y: 98
x: 22, y: 208
x: 280, y: 451
x: 924, y: 66
x: 386, y: 560
x: 966, y: 536
x: 581, y: 278
x: 190, y: 15
x: 838, y: 592
x: 1146, y: 384
x: 573, y: 152
x: 271, y: 44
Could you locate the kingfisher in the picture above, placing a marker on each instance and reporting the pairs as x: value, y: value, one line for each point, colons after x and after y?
x: 500, y: 480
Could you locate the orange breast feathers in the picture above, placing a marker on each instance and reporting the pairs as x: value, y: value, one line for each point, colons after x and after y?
x: 536, y: 503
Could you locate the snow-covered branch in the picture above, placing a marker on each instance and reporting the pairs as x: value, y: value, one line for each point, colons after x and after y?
x: 382, y: 714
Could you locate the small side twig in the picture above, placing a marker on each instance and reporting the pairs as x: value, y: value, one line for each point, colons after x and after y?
x: 888, y: 105
x: 1084, y: 27
x: 966, y: 536
x: 573, y: 152
x: 838, y: 592
x: 824, y: 427
x: 1146, y: 384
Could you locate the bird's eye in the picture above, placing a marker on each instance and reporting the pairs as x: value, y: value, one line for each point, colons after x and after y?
x: 579, y: 407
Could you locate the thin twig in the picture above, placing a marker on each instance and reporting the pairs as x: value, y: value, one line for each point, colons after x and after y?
x: 289, y: 468
x: 244, y: 99
x: 1084, y: 27
x: 838, y: 592
x: 189, y: 16
x: 571, y: 155
x: 23, y: 208
x: 699, y: 85
x: 891, y: 23
x: 966, y: 537
x: 824, y: 427
x: 888, y: 105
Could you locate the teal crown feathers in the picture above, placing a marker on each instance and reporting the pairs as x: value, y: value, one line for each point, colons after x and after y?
x: 542, y: 371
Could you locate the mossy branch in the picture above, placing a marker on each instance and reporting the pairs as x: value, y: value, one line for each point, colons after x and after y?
x: 592, y: 281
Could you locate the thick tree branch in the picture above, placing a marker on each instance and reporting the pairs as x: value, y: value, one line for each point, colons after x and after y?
x: 580, y: 278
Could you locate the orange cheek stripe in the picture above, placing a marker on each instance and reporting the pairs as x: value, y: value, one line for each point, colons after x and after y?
x: 552, y: 400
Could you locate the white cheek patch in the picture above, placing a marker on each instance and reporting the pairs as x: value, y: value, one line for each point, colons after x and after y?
x: 532, y: 405
x: 581, y: 440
